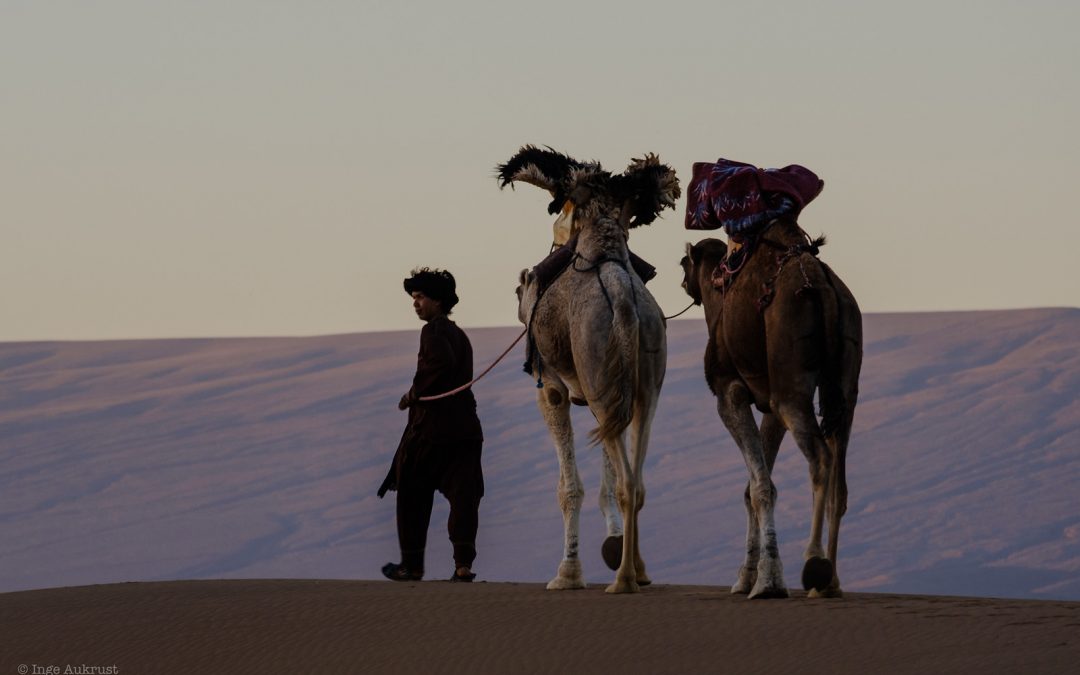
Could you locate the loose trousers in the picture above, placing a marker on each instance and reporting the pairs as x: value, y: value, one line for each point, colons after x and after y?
x: 454, y: 470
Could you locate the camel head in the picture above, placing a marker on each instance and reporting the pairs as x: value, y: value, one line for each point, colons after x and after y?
x: 526, y: 294
x: 583, y: 192
x: 700, y: 260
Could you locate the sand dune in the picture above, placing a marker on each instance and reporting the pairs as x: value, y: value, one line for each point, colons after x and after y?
x: 259, y: 458
x: 355, y: 626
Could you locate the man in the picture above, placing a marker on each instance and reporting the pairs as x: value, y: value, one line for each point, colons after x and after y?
x: 440, y: 449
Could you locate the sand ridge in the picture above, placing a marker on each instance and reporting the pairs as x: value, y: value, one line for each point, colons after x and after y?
x: 308, y: 626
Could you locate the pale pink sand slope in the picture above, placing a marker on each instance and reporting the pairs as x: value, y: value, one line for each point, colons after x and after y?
x: 237, y: 458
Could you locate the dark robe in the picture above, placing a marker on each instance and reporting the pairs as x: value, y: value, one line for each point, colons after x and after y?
x: 445, y: 362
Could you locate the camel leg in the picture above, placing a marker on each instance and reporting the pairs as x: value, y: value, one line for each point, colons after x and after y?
x: 611, y: 551
x: 772, y: 434
x: 748, y: 570
x: 554, y: 403
x: 799, y: 418
x: 837, y: 500
x: 627, y: 494
x: 768, y: 573
x: 640, y: 429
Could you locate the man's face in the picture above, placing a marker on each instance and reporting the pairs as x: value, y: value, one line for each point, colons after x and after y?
x: 426, y: 308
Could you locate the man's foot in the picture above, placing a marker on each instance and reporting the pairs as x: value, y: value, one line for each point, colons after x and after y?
x: 463, y: 574
x: 395, y: 572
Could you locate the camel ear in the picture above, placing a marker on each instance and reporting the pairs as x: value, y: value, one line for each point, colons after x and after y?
x: 543, y: 168
x: 696, y: 253
x: 651, y: 187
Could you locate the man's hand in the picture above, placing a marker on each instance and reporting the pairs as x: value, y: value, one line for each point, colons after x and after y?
x: 404, y: 403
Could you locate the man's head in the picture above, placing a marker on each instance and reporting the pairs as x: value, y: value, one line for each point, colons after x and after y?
x: 433, y: 292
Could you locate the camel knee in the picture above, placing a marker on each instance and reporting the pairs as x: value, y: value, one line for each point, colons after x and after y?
x: 571, y: 497
x: 762, y: 495
x: 554, y: 397
x: 628, y: 498
x: 819, y: 472
x: 734, y: 394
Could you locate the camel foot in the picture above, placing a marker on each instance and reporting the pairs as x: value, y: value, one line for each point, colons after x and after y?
x: 817, y: 574
x: 763, y: 591
x: 770, y: 580
x: 569, y: 577
x: 611, y: 551
x: 745, y: 582
x: 830, y: 591
x: 623, y: 586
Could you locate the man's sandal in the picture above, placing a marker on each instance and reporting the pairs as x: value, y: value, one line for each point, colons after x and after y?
x: 395, y: 572
x: 462, y: 577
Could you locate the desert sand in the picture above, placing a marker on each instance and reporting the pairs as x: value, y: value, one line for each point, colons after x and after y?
x: 310, y: 626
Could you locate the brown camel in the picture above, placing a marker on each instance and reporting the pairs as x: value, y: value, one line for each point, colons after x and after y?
x: 782, y: 327
x: 598, y: 339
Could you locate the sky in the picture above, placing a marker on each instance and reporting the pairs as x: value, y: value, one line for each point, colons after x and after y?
x: 210, y: 169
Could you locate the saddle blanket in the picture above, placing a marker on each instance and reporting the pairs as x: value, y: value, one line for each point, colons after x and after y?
x: 739, y: 197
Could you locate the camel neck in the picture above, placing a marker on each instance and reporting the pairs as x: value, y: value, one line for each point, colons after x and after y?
x: 603, y: 239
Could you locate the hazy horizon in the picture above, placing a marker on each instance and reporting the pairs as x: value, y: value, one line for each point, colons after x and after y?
x: 276, y: 168
x: 413, y: 331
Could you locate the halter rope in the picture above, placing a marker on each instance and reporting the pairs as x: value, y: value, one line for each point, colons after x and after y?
x: 477, y: 378
x: 668, y: 318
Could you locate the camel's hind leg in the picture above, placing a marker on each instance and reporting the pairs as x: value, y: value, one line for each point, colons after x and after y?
x: 554, y: 403
x: 818, y: 570
x: 734, y: 408
x: 626, y: 492
x: 772, y: 434
x: 611, y: 551
x: 640, y: 429
x: 836, y: 502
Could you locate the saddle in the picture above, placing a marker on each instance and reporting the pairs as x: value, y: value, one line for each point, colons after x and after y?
x: 745, y: 245
x: 548, y: 270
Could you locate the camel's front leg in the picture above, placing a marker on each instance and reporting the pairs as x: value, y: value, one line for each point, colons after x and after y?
x: 554, y: 404
x: 762, y: 570
x: 772, y: 434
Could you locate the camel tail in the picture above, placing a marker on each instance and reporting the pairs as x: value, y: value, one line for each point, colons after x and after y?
x: 839, y: 390
x: 615, y: 394
x: 839, y: 387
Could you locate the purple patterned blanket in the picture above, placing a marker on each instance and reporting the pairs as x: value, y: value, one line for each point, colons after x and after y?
x: 739, y: 197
